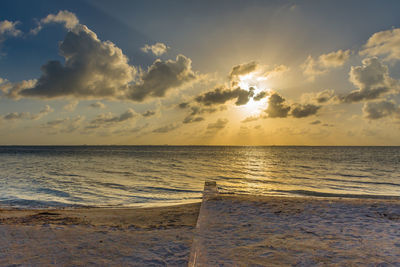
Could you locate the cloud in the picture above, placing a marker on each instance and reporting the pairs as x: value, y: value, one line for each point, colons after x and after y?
x: 277, y: 107
x: 27, y: 115
x: 9, y: 28
x: 149, y: 113
x: 325, y: 96
x: 162, y: 77
x: 195, y: 111
x: 92, y: 69
x: 157, y: 49
x: 64, y: 125
x: 334, y: 59
x: 315, y: 67
x: 166, y: 129
x: 68, y: 19
x: 372, y: 80
x: 304, y: 110
x: 383, y: 43
x: 43, y: 112
x: 221, y: 95
x: 260, y: 95
x: 16, y: 115
x: 109, y: 120
x: 71, y: 105
x: 12, y: 90
x: 251, y: 119
x: 276, y: 71
x: 191, y: 119
x: 95, y: 69
x: 217, y: 126
x: 380, y: 109
x: 315, y: 122
x: 97, y: 104
x: 243, y: 69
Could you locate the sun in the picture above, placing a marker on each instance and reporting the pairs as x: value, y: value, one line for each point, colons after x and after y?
x: 253, y: 107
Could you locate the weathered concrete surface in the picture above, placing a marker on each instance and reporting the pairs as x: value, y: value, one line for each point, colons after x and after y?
x: 237, y: 230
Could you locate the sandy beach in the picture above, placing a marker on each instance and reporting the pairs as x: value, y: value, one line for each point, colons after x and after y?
x: 157, y: 236
x: 232, y: 230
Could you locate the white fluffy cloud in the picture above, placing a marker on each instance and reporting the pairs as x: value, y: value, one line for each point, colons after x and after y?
x: 12, y: 90
x: 68, y: 19
x: 372, y: 80
x: 315, y: 67
x: 96, y: 69
x: 157, y: 49
x: 384, y: 43
x: 92, y: 69
x: 9, y: 28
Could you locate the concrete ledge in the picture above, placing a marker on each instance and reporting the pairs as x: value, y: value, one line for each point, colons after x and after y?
x: 210, y: 191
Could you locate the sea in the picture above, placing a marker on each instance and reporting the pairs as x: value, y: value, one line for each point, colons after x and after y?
x: 125, y: 176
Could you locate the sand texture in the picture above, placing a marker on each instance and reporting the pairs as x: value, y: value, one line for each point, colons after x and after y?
x: 232, y: 230
x: 284, y: 231
x: 98, y: 237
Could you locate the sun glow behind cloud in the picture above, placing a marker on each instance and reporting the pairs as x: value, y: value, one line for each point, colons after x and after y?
x: 257, y: 83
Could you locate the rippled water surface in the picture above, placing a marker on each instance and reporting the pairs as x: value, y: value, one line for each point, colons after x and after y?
x: 148, y: 175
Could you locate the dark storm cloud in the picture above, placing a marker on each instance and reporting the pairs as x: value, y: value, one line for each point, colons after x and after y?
x: 191, y: 119
x: 166, y: 129
x: 183, y: 105
x: 260, y: 95
x: 381, y: 109
x: 161, y: 77
x: 221, y: 95
x: 149, y: 113
x: 304, y: 110
x: 195, y: 111
x: 315, y: 122
x: 107, y: 119
x: 217, y: 126
x: 277, y: 107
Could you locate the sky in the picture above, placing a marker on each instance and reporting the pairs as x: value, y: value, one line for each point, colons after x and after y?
x: 280, y: 72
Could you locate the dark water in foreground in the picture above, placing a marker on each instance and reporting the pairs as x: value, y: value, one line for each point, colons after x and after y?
x: 147, y: 175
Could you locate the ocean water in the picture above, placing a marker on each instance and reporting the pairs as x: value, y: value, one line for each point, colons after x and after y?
x: 122, y: 176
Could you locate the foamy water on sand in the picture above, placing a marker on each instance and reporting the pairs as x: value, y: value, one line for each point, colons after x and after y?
x: 149, y: 175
